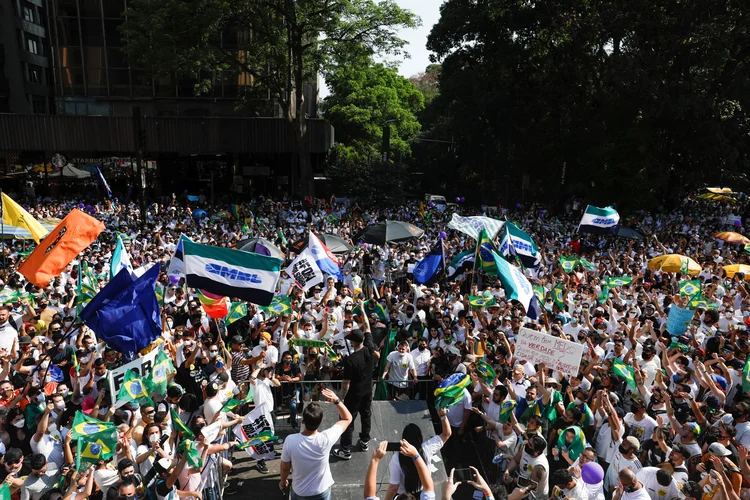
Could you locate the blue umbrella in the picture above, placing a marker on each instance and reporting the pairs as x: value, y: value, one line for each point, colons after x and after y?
x: 197, y: 214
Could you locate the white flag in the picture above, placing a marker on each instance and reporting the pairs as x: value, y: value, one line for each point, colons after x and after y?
x: 305, y: 271
x: 256, y: 433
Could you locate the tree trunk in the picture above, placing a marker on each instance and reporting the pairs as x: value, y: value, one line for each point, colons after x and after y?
x: 306, y: 182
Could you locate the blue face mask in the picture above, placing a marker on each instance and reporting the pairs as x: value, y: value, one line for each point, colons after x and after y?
x: 676, y: 378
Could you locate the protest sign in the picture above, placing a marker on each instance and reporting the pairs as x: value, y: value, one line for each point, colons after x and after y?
x: 143, y: 366
x: 678, y: 320
x: 257, y: 423
x: 557, y: 354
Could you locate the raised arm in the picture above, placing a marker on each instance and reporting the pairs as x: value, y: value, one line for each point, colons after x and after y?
x: 345, y: 418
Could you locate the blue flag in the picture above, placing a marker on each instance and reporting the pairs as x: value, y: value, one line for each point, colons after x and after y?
x: 432, y: 266
x: 127, y: 317
x: 103, y: 181
x: 120, y: 259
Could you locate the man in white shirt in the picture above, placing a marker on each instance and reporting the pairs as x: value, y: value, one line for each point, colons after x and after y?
x: 658, y: 483
x: 641, y: 425
x: 309, y: 450
x: 398, y: 368
x: 421, y: 356
x: 629, y: 487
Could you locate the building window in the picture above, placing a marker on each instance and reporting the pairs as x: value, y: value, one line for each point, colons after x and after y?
x: 28, y: 14
x: 35, y: 74
x: 32, y: 46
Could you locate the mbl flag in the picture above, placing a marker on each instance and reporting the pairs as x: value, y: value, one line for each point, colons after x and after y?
x: 599, y: 220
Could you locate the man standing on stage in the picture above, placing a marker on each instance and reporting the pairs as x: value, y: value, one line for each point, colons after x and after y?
x: 356, y: 388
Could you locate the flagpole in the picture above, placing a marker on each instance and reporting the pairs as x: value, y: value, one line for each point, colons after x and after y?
x: 2, y: 235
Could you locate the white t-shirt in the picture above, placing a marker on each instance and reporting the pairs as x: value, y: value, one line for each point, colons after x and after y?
x: 429, y: 448
x: 640, y: 494
x: 401, y: 365
x: 272, y: 354
x: 606, y: 447
x: 618, y: 464
x: 641, y: 429
x: 211, y: 407
x: 311, y: 473
x: 50, y: 446
x: 656, y: 491
x: 425, y: 495
x: 456, y: 412
x: 263, y: 392
x: 421, y: 361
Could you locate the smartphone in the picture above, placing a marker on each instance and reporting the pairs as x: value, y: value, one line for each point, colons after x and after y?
x: 524, y: 481
x: 393, y: 446
x: 463, y: 475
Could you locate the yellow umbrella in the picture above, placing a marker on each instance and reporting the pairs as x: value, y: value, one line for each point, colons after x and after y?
x: 720, y: 190
x: 731, y: 237
x: 674, y: 263
x: 738, y: 268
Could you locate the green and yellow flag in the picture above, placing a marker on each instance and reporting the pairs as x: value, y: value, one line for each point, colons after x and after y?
x: 135, y: 388
x: 616, y: 281
x: 83, y: 425
x: 237, y: 310
x: 540, y: 293
x: 179, y: 426
x: 163, y: 368
x: 483, y: 258
x: 688, y: 288
x: 568, y: 263
x: 558, y: 295
x: 746, y: 377
x: 260, y: 438
x: 478, y: 301
x: 96, y: 447
x: 485, y: 371
x: 586, y: 264
x: 506, y: 410
x: 626, y: 372
x: 5, y: 491
x: 280, y: 305
x: 700, y: 301
x: 604, y: 295
x: 232, y: 404
x: 450, y: 391
x: 194, y: 459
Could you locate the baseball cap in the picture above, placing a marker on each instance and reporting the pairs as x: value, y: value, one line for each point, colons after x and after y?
x: 87, y: 405
x: 713, y: 404
x: 356, y: 336
x: 719, y: 449
x: 633, y: 441
x: 694, y: 427
x: 237, y: 339
x: 454, y: 351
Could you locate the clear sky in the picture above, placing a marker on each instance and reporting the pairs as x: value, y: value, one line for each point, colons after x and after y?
x: 429, y: 12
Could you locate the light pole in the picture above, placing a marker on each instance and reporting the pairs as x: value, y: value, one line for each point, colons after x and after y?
x: 387, y: 139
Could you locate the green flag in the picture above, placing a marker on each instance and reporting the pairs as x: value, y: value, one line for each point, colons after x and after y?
x: 83, y: 425
x: 604, y: 295
x: 5, y: 491
x: 613, y: 282
x: 586, y: 264
x: 568, y: 263
x: 135, y: 388
x: 688, y: 288
x: 746, y: 248
x: 260, y: 438
x: 684, y: 266
x: 179, y: 426
x: 476, y: 301
x: 281, y: 237
x: 237, y: 310
x: 190, y: 450
x: 280, y: 305
x: 378, y: 310
x: 506, y: 410
x: 232, y: 404
x: 450, y: 391
x: 321, y: 344
x: 483, y: 259
x: 540, y: 293
x: 94, y: 448
x: 626, y: 372
x: 485, y: 370
x: 700, y: 301
x: 163, y: 368
x: 558, y: 295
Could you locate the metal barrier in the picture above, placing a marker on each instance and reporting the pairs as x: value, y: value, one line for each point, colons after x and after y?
x: 212, y: 475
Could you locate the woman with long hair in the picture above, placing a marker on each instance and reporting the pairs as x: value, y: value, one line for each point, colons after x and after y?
x: 404, y: 476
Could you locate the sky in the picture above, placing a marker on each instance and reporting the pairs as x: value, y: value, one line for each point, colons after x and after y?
x: 429, y: 12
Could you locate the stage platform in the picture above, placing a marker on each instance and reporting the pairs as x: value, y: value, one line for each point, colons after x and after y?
x: 388, y: 420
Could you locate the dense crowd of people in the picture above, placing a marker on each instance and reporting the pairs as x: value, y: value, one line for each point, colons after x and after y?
x: 680, y: 429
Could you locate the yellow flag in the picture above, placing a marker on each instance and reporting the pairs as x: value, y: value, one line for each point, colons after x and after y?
x: 15, y: 215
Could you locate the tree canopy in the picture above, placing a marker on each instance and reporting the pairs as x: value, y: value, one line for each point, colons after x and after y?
x: 618, y: 101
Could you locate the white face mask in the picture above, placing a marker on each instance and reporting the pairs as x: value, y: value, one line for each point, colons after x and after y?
x: 153, y: 438
x: 53, y: 302
x: 169, y: 323
x: 41, y: 397
x: 578, y: 402
x: 52, y: 428
x: 262, y: 343
x: 60, y: 406
x: 19, y: 424
x: 64, y: 392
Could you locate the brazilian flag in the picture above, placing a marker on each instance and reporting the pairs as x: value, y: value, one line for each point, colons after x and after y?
x: 619, y: 281
x: 237, y: 310
x: 450, y: 391
x: 485, y: 371
x: 746, y: 248
x: 279, y: 306
x: 135, y: 388
x: 83, y: 425
x: 260, y: 438
x: 586, y: 264
x: 232, y: 404
x: 688, y: 288
x: 700, y: 301
x: 558, y: 295
x: 746, y: 377
x: 568, y: 263
x: 5, y: 491
x: 96, y: 447
x: 604, y: 295
x: 476, y: 301
x: 626, y: 372
x: 506, y: 410
x: 163, y: 368
x: 190, y: 450
x: 483, y: 255
x: 179, y: 426
x: 540, y: 293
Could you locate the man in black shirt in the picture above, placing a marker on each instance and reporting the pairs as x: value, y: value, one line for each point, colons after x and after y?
x: 356, y: 387
x: 190, y: 374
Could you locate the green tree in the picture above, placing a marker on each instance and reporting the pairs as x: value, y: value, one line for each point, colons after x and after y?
x: 279, y: 45
x: 635, y: 102
x: 365, y: 98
